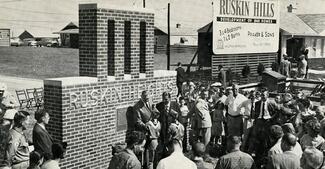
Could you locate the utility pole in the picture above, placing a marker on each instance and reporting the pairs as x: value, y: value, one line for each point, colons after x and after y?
x: 168, y: 40
x: 144, y: 3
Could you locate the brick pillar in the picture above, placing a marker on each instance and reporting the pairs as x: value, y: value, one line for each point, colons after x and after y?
x: 150, y: 41
x: 88, y: 60
x: 53, y: 102
x: 102, y: 42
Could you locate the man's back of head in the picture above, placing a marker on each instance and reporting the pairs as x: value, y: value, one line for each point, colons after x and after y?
x: 276, y: 132
x: 288, y: 142
x: 233, y: 143
x: 199, y: 149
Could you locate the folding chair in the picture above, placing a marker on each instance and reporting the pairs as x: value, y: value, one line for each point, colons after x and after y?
x: 30, y: 96
x: 39, y: 96
x: 22, y: 98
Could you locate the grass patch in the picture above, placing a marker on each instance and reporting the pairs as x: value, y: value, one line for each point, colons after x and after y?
x: 41, y: 63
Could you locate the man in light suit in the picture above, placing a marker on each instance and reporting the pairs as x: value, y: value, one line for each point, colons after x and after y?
x: 203, y: 117
x: 41, y: 138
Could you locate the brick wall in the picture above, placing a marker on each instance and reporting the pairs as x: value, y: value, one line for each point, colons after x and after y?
x: 88, y: 112
x: 86, y: 118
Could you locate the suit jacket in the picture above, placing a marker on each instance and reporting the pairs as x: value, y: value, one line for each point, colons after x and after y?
x: 42, y: 141
x: 142, y: 114
x: 180, y: 78
x: 222, y: 78
x: 165, y: 118
x: 202, y: 114
x: 283, y: 161
x: 272, y: 107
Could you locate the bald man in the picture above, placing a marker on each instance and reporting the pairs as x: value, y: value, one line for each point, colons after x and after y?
x: 235, y: 112
x: 288, y: 159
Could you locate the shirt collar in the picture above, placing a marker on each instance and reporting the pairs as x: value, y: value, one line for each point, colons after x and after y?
x: 198, y: 159
x: 130, y: 152
x: 18, y: 130
x: 42, y: 125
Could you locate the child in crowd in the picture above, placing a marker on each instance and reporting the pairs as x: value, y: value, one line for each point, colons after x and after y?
x: 175, y: 129
x: 154, y: 128
x: 35, y: 160
x: 184, y: 120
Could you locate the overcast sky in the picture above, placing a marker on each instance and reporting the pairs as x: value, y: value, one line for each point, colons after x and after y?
x: 43, y: 17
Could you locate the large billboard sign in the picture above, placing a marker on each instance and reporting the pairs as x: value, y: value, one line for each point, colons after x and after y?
x: 246, y: 26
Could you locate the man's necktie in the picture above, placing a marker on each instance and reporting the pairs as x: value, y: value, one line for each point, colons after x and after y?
x: 252, y: 110
x: 263, y: 110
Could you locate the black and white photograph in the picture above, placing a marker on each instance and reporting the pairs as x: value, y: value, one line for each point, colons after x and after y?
x: 162, y: 84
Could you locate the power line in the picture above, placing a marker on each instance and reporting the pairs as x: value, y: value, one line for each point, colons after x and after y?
x: 32, y: 11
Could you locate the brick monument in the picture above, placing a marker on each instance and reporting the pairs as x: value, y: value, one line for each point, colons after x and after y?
x: 116, y: 65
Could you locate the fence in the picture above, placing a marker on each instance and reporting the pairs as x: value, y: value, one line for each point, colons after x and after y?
x: 175, y: 49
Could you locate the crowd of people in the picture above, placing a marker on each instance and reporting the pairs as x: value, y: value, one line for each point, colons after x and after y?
x: 19, y: 152
x: 204, y: 127
x: 227, y: 128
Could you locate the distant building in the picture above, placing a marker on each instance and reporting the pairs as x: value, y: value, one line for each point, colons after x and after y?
x: 181, y: 39
x: 69, y: 35
x: 4, y: 37
x: 161, y: 39
x: 316, y: 44
x: 25, y: 35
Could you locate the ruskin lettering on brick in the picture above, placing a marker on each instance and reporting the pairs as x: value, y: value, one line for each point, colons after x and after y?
x: 104, y: 96
x: 98, y: 97
x: 73, y: 100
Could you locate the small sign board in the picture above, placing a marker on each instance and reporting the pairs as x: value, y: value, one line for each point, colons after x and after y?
x: 121, y: 121
x: 246, y: 26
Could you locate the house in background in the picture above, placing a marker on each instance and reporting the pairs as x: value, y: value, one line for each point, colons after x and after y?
x: 25, y: 35
x: 295, y: 35
x: 161, y: 39
x: 69, y: 35
x: 4, y: 37
x: 182, y: 40
x: 316, y: 44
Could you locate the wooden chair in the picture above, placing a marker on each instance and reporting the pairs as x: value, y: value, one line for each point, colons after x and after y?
x: 39, y: 96
x: 30, y: 96
x: 23, y: 99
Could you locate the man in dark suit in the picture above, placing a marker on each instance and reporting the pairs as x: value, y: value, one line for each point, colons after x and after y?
x: 166, y: 108
x: 265, y: 111
x: 143, y: 112
x: 180, y: 78
x: 41, y: 138
x: 222, y: 76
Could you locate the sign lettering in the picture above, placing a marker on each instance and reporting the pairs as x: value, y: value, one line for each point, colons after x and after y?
x: 246, y: 26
